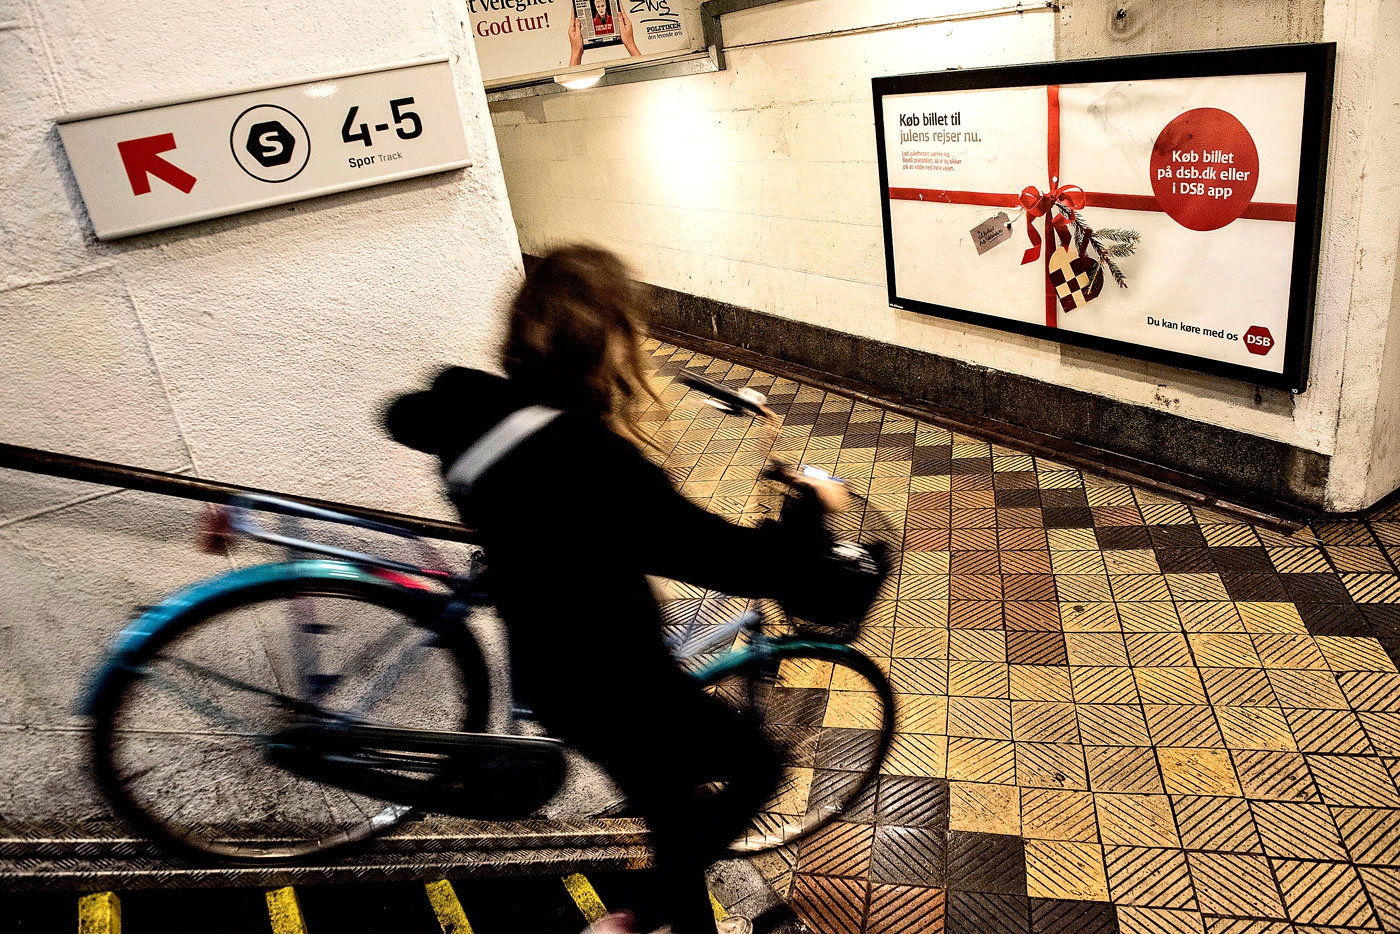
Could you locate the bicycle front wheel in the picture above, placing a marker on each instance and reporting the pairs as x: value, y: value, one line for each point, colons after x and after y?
x: 188, y: 732
x: 830, y: 712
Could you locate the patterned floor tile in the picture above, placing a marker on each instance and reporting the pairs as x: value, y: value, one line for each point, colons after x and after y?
x: 1183, y: 725
x: 839, y: 849
x: 1383, y: 885
x: 979, y: 862
x: 1044, y: 722
x: 982, y: 717
x: 978, y: 679
x: 1051, y: 765
x: 907, y: 856
x: 830, y: 905
x: 1136, y: 820
x: 1194, y: 771
x: 1353, y: 781
x: 1235, y: 884
x: 1307, y: 689
x: 1324, y: 893
x: 1133, y: 919
x: 1169, y: 685
x: 1239, y: 687
x: 1150, y: 876
x: 1354, y: 653
x: 1371, y: 691
x: 1300, y: 831
x: 1334, y: 731
x: 1372, y: 835
x: 1072, y: 916
x: 1216, y: 823
x: 1064, y: 869
x: 895, y: 909
x: 1040, y: 682
x: 917, y: 755
x: 1103, y: 685
x: 981, y: 760
x: 1383, y: 729
x: 1127, y: 769
x: 1172, y: 720
x: 987, y: 913
x: 1274, y: 776
x: 986, y: 808
x: 1055, y: 814
x: 1255, y: 728
x: 913, y: 802
x: 1112, y: 724
x: 1217, y: 925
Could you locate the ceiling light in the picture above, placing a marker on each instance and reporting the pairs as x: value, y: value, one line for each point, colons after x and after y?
x: 578, y: 80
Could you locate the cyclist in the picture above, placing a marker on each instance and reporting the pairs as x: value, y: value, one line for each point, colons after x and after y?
x: 572, y: 518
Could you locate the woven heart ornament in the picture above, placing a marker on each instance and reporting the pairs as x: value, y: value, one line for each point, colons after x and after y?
x: 1077, y: 279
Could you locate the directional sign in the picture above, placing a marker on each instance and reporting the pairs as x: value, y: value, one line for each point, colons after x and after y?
x: 169, y: 163
x: 141, y: 159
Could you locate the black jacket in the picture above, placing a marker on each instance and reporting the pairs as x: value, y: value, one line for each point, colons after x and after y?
x: 571, y: 521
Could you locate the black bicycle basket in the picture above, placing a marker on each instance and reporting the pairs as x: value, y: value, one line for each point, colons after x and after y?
x: 833, y: 608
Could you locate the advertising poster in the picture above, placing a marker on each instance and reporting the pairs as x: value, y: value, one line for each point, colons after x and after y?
x: 1163, y: 207
x: 515, y: 38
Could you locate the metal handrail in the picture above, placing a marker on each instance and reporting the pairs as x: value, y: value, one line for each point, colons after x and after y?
x: 87, y: 470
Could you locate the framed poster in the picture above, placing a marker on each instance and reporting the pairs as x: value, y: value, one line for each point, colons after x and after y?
x: 1164, y: 207
x: 520, y: 39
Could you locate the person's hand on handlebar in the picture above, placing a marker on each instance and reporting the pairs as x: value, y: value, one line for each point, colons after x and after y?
x: 832, y: 494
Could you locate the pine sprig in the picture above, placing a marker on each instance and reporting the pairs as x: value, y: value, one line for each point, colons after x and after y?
x: 1109, y: 243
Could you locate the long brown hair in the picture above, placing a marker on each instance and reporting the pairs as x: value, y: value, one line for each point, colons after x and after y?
x: 575, y: 336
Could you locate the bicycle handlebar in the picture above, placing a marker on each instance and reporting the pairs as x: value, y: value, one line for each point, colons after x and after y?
x: 735, y: 400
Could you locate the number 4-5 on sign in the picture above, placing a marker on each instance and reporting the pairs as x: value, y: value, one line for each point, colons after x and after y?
x: 400, y: 117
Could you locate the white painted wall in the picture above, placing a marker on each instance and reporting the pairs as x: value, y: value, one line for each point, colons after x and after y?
x: 1359, y: 264
x: 256, y: 349
x: 758, y: 186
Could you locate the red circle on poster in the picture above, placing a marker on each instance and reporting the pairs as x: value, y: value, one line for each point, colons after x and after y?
x: 1204, y: 169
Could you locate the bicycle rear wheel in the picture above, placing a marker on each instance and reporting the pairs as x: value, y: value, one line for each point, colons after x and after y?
x: 830, y: 712
x: 188, y: 732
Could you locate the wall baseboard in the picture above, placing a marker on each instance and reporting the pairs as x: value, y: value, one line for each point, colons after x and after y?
x: 1263, y: 475
x: 1272, y: 482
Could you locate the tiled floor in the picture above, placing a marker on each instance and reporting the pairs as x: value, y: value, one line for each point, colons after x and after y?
x: 1117, y: 712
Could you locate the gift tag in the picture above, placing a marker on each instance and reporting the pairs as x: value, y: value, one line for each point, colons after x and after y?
x: 990, y: 232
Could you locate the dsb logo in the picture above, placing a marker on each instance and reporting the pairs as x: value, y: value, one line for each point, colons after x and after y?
x: 271, y: 143
x: 1258, y: 340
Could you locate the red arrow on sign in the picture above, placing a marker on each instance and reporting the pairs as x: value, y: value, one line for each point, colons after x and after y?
x: 141, y: 157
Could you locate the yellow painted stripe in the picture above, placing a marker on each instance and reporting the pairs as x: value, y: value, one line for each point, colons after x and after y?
x: 284, y: 911
x: 448, y: 909
x: 585, y: 897
x: 720, y: 913
x: 100, y: 913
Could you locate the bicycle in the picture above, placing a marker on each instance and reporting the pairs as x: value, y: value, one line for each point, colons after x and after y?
x: 316, y: 743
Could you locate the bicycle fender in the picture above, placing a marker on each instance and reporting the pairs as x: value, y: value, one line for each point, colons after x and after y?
x: 153, y: 624
x: 783, y: 645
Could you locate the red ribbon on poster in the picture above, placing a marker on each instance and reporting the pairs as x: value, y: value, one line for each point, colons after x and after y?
x: 1072, y: 198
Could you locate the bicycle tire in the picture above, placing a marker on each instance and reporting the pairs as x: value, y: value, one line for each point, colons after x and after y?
x: 275, y: 819
x: 830, y: 710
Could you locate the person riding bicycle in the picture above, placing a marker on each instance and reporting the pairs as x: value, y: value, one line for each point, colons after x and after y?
x: 572, y: 519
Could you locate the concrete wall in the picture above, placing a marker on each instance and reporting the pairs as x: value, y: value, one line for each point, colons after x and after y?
x: 255, y: 349
x: 757, y: 186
